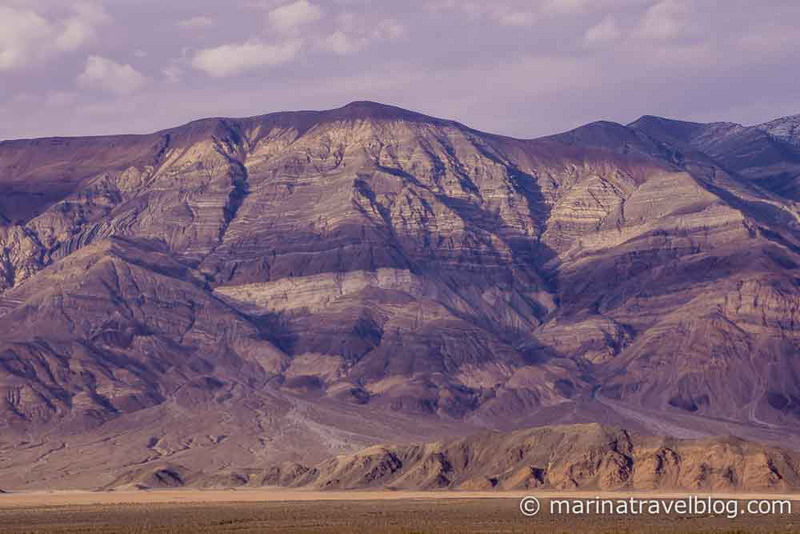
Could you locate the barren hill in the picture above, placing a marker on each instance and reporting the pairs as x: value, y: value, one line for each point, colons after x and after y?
x: 578, y: 457
x: 560, y: 458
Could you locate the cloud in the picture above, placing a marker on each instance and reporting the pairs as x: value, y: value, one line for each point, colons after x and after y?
x: 58, y: 99
x: 604, y: 32
x: 20, y: 32
x: 526, y: 13
x: 389, y: 29
x: 665, y: 20
x: 27, y: 36
x: 343, y: 44
x: 290, y: 17
x: 80, y: 28
x: 501, y: 12
x: 355, y: 37
x: 233, y: 59
x: 105, y: 74
x: 770, y: 40
x: 196, y: 23
x: 516, y: 18
x: 566, y: 6
x: 172, y: 73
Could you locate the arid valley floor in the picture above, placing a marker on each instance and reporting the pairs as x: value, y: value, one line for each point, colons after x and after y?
x: 246, y: 511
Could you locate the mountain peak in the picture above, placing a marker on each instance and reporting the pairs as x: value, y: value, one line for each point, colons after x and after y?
x: 368, y: 110
x: 649, y: 122
x: 674, y: 131
x: 606, y: 134
x: 369, y: 105
x: 783, y: 120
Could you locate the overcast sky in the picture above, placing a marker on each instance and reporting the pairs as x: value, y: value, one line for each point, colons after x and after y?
x: 518, y: 67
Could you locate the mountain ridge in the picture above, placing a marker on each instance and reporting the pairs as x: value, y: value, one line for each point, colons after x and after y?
x: 357, y: 109
x: 373, y: 109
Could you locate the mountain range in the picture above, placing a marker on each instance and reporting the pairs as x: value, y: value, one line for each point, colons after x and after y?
x: 236, y: 294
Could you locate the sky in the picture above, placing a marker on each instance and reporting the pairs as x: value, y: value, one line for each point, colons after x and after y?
x: 523, y: 68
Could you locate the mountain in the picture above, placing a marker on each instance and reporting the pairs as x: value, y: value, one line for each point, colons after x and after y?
x: 247, y: 292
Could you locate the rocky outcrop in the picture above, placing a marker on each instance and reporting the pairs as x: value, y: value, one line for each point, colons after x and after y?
x: 161, y: 477
x: 786, y: 129
x: 582, y: 457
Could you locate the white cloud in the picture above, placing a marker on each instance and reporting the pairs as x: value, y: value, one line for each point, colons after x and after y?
x: 172, y: 73
x: 28, y: 36
x: 769, y: 40
x: 197, y: 23
x: 566, y: 6
x: 665, y: 20
x: 233, y: 59
x: 355, y: 37
x: 290, y: 17
x: 501, y: 12
x: 103, y: 73
x: 80, y: 28
x: 26, y: 98
x: 20, y: 32
x: 343, y: 44
x: 516, y: 18
x: 57, y: 99
x: 389, y: 29
x: 604, y: 32
x: 526, y: 13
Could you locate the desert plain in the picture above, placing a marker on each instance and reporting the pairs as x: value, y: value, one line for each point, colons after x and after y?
x: 279, y: 510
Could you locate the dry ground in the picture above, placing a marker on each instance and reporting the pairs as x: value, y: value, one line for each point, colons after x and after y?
x: 190, y: 512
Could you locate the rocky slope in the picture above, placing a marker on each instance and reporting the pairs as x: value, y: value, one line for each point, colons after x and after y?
x: 785, y: 129
x: 562, y: 458
x: 580, y: 457
x: 244, y: 292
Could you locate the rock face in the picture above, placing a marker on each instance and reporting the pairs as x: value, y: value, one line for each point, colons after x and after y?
x: 286, y: 287
x: 580, y: 457
x: 786, y: 129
